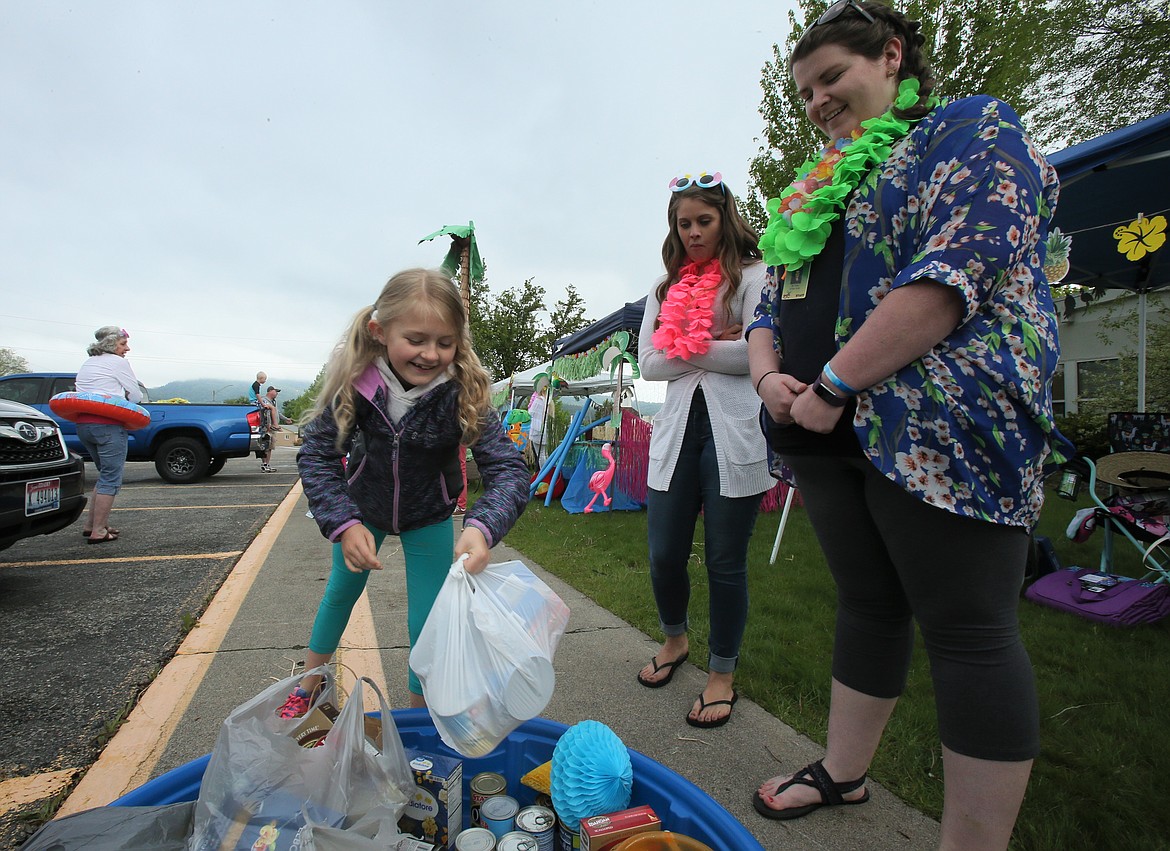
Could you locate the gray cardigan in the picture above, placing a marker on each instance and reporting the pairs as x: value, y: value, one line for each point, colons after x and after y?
x: 727, y: 386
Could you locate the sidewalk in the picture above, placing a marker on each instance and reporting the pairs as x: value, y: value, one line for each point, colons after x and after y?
x: 595, y: 666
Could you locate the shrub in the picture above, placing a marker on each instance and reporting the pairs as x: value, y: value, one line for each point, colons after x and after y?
x: 1088, y: 432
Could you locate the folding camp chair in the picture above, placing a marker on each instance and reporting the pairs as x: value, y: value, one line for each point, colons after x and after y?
x: 1130, y: 490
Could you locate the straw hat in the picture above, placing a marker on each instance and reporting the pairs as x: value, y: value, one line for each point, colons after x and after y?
x: 1135, y: 469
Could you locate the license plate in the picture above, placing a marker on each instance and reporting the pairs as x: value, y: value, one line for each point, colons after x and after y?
x: 42, y: 496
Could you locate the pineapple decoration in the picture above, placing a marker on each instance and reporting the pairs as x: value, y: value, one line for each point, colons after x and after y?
x: 1056, y: 264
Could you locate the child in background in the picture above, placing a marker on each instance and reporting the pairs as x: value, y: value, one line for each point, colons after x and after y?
x: 402, y: 392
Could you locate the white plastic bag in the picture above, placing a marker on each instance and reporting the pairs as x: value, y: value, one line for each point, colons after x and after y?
x: 261, y: 786
x: 485, y: 654
x: 375, y: 831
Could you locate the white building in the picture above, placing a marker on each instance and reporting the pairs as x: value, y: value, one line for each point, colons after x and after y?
x: 1087, y: 361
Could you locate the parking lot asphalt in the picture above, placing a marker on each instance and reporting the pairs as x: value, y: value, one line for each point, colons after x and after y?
x: 85, y: 629
x: 256, y: 628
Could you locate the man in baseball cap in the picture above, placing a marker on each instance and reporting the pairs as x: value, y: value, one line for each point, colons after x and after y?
x: 271, y: 424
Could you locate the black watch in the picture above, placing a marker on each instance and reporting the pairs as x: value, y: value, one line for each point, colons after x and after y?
x: 829, y: 396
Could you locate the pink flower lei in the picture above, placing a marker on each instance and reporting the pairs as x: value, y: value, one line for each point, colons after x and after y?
x: 685, y: 318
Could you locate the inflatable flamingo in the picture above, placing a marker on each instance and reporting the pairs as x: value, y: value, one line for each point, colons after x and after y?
x: 600, y: 480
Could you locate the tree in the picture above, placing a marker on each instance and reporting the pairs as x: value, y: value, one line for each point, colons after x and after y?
x: 508, y: 337
x: 511, y: 332
x: 567, y: 317
x: 1112, y: 67
x: 11, y: 363
x: 296, y: 407
x: 1058, y: 65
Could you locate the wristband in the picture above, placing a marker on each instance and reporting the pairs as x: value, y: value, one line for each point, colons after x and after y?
x: 765, y: 375
x: 837, y: 382
x: 825, y: 392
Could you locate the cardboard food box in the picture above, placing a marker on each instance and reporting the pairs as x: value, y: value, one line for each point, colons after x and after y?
x: 435, y: 811
x: 608, y: 831
x: 286, y: 438
x: 274, y: 822
x: 410, y: 844
x: 316, y: 724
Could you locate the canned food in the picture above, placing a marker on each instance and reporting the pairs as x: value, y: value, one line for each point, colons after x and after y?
x: 499, y: 814
x: 570, y: 840
x: 485, y: 785
x: 517, y: 841
x: 475, y: 839
x: 541, y: 824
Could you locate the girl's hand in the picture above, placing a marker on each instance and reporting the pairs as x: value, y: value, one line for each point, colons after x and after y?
x: 475, y: 546
x: 778, y: 393
x: 731, y: 332
x: 815, y: 414
x: 357, y: 547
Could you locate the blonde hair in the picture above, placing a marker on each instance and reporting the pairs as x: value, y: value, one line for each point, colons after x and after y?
x: 409, y: 291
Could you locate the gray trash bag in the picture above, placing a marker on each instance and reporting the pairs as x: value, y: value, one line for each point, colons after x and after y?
x: 162, y: 828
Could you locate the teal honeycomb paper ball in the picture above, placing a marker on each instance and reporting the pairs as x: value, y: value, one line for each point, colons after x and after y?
x: 591, y: 773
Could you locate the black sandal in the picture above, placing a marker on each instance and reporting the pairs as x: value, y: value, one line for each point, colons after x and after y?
x: 670, y: 676
x: 722, y: 719
x: 816, y: 777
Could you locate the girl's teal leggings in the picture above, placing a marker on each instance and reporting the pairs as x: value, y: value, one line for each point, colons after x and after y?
x: 428, y: 552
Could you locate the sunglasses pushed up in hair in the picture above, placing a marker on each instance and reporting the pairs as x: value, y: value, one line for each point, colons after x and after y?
x: 703, y: 181
x: 835, y: 11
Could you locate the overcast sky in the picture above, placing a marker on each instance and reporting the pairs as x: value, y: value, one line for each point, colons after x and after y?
x: 231, y: 181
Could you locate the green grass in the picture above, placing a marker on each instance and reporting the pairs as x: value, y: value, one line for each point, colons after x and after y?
x: 1099, y: 782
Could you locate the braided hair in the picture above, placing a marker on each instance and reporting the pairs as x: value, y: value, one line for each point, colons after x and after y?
x: 857, y: 35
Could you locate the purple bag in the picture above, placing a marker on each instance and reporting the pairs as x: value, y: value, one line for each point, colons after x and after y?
x: 1126, y: 603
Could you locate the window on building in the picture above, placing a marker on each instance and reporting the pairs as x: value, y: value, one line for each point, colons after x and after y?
x: 1058, y: 409
x: 1097, y: 379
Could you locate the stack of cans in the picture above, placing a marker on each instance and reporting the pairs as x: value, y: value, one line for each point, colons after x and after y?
x: 513, y: 828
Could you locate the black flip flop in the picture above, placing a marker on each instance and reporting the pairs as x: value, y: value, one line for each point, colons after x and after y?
x: 813, y: 775
x: 108, y: 537
x: 109, y: 529
x: 670, y: 676
x: 718, y: 722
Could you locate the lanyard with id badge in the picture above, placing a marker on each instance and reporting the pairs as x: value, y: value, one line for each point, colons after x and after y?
x: 795, y: 284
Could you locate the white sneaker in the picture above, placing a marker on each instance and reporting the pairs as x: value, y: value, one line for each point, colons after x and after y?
x: 265, y: 468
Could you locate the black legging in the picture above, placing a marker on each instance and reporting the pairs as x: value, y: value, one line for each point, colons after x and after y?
x: 897, y: 559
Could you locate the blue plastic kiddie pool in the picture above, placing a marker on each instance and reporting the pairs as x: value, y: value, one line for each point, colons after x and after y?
x: 683, y: 807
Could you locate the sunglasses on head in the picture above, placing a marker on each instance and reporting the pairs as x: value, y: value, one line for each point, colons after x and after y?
x: 703, y: 181
x: 835, y: 11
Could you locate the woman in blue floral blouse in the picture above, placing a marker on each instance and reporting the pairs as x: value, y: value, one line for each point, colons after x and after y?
x: 903, y: 350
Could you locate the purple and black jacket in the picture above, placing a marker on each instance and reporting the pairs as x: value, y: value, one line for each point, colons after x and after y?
x: 406, y: 476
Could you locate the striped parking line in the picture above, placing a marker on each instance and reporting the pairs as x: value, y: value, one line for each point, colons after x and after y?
x: 129, y: 759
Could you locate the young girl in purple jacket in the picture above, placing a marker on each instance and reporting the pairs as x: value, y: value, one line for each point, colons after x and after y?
x: 403, y: 394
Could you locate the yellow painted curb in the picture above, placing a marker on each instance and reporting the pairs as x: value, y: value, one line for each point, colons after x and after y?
x: 130, y: 757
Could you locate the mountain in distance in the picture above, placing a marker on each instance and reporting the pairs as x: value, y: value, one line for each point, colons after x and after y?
x: 205, y: 390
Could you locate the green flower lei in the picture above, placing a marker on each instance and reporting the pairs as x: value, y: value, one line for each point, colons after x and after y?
x: 796, y: 235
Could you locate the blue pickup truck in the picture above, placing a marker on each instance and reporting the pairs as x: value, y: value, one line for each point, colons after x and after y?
x: 185, y: 442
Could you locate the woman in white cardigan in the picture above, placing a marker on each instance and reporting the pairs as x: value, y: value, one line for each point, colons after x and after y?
x: 707, y: 452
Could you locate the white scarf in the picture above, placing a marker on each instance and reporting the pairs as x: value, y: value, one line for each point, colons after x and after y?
x: 399, y: 400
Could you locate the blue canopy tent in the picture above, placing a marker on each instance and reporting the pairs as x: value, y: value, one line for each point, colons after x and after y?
x: 1106, y: 183
x: 626, y: 318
